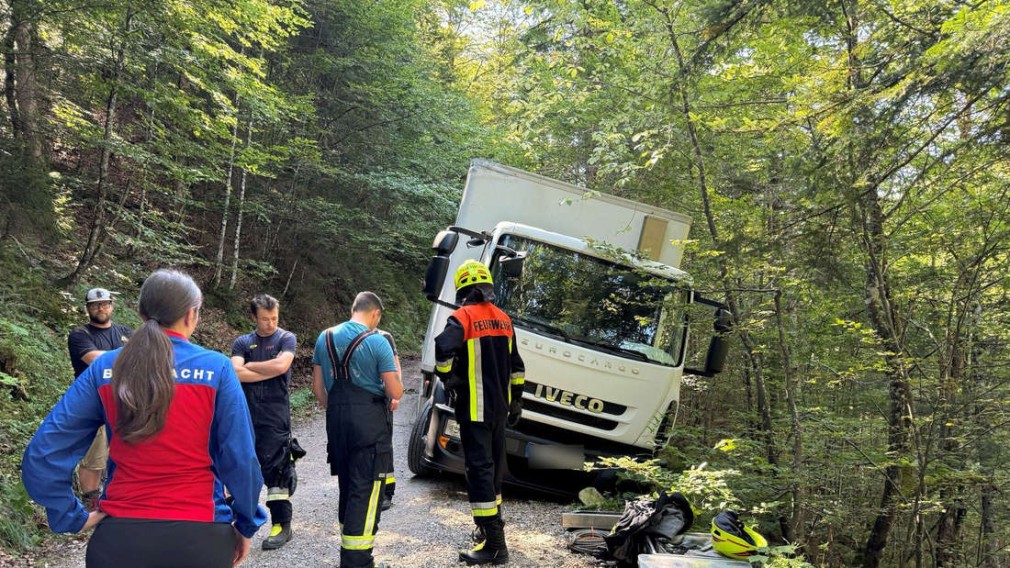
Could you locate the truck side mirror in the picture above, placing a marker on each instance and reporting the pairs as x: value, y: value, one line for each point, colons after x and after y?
x: 718, y: 347
x: 434, y: 276
x: 445, y: 242
x: 715, y: 360
x: 723, y: 321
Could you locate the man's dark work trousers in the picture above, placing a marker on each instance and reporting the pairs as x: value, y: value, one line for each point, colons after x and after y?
x: 140, y: 543
x: 271, y: 417
x: 359, y: 451
x: 484, y: 455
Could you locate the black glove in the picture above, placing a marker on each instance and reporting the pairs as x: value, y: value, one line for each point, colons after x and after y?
x: 297, y: 451
x: 515, y: 412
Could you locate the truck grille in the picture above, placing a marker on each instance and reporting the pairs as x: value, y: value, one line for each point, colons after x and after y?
x: 545, y: 393
x: 569, y: 415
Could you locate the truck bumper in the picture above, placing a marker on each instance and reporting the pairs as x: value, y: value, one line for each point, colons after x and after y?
x: 560, y: 473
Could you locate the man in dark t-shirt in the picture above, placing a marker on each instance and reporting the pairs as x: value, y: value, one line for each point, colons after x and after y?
x: 85, y: 344
x: 262, y: 361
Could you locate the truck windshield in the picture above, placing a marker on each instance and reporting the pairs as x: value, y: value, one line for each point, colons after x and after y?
x: 593, y: 302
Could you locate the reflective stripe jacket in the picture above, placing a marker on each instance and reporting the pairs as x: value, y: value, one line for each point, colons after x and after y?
x: 476, y: 356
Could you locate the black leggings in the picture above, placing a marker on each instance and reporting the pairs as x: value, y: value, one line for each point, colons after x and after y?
x: 142, y: 543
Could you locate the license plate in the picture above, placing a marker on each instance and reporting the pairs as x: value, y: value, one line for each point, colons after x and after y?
x: 451, y: 429
x: 544, y: 456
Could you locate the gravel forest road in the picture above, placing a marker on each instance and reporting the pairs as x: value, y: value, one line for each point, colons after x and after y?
x: 427, y: 525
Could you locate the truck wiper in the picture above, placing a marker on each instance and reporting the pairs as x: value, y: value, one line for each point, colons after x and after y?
x: 540, y: 325
x: 631, y: 353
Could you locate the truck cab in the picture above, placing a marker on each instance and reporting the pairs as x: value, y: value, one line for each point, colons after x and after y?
x: 602, y: 329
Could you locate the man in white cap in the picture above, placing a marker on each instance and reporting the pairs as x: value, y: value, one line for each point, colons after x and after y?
x: 85, y: 344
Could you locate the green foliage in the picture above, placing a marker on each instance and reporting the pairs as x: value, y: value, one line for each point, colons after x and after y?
x: 790, y: 131
x: 18, y: 516
x: 844, y: 165
x: 707, y: 490
x: 27, y: 202
x: 779, y: 557
x: 303, y: 402
x: 34, y: 373
x: 345, y: 150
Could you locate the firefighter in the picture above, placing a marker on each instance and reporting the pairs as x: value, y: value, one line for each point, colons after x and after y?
x: 262, y: 361
x: 477, y: 358
x: 355, y: 376
x: 390, y: 489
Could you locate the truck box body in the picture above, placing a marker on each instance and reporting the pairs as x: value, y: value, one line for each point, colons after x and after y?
x: 496, y: 193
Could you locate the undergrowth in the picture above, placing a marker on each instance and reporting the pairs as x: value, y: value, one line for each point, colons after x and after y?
x: 34, y: 372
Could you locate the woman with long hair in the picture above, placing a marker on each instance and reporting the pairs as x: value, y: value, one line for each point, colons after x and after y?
x: 179, y: 432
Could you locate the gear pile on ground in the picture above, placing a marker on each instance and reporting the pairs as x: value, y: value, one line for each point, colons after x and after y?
x: 662, y: 518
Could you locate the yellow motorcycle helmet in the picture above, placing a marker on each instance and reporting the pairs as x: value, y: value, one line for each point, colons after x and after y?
x: 733, y: 539
x: 472, y: 272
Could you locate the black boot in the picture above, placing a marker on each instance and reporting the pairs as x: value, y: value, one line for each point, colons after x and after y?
x: 492, y: 549
x: 280, y: 534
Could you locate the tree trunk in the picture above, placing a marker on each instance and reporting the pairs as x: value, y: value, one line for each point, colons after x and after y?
x: 948, y: 535
x: 120, y: 207
x: 794, y: 531
x: 27, y: 85
x: 290, y: 276
x: 877, y: 296
x: 886, y: 323
x: 238, y: 215
x: 681, y: 98
x: 948, y: 531
x: 987, y: 554
x: 271, y: 243
x: 20, y: 83
x: 93, y: 244
x: 10, y: 77
x: 223, y: 233
x: 987, y: 547
x: 155, y: 76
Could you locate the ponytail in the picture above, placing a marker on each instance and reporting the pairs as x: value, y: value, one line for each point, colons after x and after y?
x: 143, y: 375
x: 143, y: 383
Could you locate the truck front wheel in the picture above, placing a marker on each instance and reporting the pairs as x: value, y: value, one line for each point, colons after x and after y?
x: 418, y: 435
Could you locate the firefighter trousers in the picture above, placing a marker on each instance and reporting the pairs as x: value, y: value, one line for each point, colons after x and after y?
x: 390, y: 489
x: 359, y: 452
x: 484, y: 456
x: 270, y: 410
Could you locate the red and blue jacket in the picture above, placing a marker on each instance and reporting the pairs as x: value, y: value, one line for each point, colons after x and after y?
x: 178, y: 474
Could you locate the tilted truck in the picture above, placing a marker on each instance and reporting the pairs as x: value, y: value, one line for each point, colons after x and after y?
x: 598, y: 304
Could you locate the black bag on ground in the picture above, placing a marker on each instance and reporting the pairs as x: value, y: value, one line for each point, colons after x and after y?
x: 664, y: 517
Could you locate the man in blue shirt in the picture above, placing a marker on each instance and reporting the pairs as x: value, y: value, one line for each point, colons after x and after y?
x: 354, y: 375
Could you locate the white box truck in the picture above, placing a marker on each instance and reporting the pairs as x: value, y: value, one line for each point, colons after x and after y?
x: 597, y: 301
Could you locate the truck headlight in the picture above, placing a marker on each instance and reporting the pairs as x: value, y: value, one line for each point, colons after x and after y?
x: 451, y: 428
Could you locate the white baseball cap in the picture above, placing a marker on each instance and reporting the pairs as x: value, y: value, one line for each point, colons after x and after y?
x: 99, y: 295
